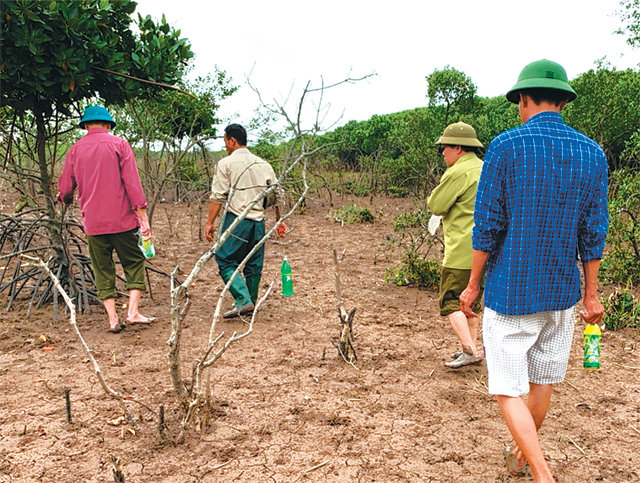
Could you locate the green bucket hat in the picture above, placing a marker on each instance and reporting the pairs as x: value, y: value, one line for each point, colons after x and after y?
x: 459, y: 134
x: 96, y: 113
x: 544, y: 74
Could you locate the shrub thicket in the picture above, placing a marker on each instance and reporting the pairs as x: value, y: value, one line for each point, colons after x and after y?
x: 414, y: 270
x: 352, y: 213
x: 418, y: 266
x: 621, y: 262
x: 622, y: 310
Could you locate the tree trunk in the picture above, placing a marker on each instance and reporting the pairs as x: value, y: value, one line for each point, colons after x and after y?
x: 54, y: 226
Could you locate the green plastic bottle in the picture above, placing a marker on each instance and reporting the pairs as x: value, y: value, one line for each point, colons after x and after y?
x: 592, y: 336
x: 287, y: 279
x: 146, y: 246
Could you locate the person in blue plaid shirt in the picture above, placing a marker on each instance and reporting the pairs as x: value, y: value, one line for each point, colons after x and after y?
x: 541, y: 203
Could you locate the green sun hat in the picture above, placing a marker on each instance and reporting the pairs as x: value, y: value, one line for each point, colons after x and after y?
x: 459, y: 134
x: 96, y: 113
x: 542, y: 74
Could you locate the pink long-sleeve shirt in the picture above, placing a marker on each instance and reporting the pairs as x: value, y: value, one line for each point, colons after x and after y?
x: 103, y: 168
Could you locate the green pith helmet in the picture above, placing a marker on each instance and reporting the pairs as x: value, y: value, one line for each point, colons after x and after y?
x: 96, y: 113
x: 459, y: 134
x: 542, y: 74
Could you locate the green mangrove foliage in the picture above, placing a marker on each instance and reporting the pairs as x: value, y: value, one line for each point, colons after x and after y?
x: 417, y: 267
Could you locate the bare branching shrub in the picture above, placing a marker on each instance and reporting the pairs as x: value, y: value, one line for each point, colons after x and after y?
x: 344, y: 344
x: 192, y: 394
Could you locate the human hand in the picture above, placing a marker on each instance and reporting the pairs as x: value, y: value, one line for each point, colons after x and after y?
x: 209, y: 231
x: 593, y: 309
x: 145, y: 229
x: 281, y: 230
x: 467, y: 299
x: 61, y: 200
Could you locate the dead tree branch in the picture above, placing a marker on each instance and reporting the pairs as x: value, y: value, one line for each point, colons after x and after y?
x: 72, y: 320
x: 192, y: 396
x: 179, y: 293
x: 146, y: 81
x: 203, y: 363
x: 344, y: 343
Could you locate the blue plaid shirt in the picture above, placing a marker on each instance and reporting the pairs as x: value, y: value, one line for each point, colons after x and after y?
x: 542, y: 199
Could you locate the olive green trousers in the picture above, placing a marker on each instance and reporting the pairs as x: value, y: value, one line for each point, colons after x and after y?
x: 104, y: 270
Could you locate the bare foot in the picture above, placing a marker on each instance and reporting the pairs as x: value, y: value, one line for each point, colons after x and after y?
x: 140, y: 319
x: 119, y: 327
x: 516, y: 462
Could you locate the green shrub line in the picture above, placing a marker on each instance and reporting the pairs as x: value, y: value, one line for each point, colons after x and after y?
x: 394, y: 154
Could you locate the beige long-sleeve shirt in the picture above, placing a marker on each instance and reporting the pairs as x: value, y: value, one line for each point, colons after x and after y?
x: 247, y: 175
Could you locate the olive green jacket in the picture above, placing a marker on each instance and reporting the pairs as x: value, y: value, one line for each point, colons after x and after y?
x: 454, y: 199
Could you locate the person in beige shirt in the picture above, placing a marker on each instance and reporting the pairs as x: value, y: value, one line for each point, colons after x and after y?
x: 239, y: 179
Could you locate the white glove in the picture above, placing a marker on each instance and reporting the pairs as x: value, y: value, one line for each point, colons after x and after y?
x: 434, y: 223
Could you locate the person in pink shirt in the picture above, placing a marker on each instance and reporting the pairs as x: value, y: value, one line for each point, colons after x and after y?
x: 102, y: 167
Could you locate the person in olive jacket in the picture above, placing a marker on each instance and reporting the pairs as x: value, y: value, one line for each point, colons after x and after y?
x: 453, y: 199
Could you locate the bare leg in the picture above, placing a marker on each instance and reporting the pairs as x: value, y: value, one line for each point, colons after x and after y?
x: 538, y: 402
x: 523, y: 420
x: 460, y: 326
x: 133, y: 314
x: 110, y: 307
x: 474, y: 323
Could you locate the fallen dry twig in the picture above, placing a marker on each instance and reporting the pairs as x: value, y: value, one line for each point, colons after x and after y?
x: 576, y: 445
x: 72, y: 320
x: 313, y: 468
x: 627, y: 367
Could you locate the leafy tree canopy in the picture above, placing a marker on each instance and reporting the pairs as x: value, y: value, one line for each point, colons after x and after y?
x: 57, y: 52
x: 607, y: 108
x: 451, y: 88
x: 172, y: 116
x: 182, y: 115
x: 630, y: 15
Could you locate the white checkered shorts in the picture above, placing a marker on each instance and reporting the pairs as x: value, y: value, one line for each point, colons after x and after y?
x: 526, y: 348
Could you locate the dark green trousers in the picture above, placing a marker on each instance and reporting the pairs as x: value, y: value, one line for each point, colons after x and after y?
x: 245, y: 236
x: 104, y: 271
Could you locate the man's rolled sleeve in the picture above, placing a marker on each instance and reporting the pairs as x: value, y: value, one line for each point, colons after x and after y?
x: 592, y: 228
x: 489, y: 216
x: 220, y: 186
x: 130, y: 177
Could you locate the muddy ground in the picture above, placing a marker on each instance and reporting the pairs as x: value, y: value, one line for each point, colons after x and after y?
x: 285, y: 406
